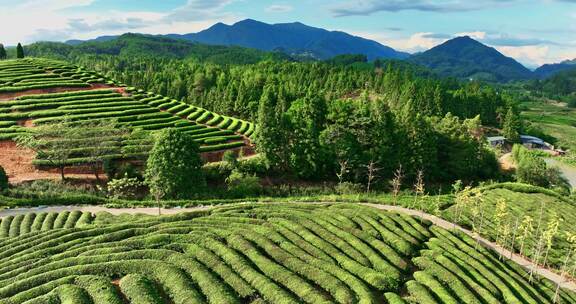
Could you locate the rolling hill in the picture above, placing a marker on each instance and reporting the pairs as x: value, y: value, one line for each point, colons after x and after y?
x: 137, y: 45
x: 549, y: 70
x: 466, y: 58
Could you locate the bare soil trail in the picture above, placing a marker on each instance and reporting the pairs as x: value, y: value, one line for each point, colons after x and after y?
x: 96, y: 86
x: 525, y: 263
x: 506, y: 162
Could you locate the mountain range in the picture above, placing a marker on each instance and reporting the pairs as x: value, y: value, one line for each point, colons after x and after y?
x: 292, y: 38
x: 461, y: 57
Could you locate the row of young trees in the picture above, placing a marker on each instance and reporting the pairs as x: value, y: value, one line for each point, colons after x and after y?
x: 4, y: 54
x: 532, y: 236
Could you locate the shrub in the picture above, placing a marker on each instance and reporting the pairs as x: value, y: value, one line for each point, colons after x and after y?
x: 243, y: 185
x: 124, y: 188
x: 349, y: 188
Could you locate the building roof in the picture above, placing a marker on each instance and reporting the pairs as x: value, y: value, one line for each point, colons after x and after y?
x: 496, y: 138
x: 531, y: 139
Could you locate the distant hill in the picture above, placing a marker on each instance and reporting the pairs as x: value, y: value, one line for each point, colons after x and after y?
x: 154, y: 46
x: 99, y: 39
x: 466, y: 58
x: 549, y: 70
x: 562, y: 83
x: 293, y: 39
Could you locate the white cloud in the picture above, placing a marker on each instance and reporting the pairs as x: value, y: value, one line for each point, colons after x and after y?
x: 279, y: 8
x: 45, y: 20
x: 415, y: 43
x: 533, y: 54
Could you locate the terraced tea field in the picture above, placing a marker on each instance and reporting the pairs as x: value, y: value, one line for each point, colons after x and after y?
x: 253, y: 253
x: 29, y: 74
x: 87, y: 96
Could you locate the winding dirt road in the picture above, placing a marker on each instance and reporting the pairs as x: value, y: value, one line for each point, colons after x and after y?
x: 527, y: 264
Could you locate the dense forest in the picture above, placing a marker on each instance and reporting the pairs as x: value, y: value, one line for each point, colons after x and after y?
x: 560, y: 86
x: 344, y: 118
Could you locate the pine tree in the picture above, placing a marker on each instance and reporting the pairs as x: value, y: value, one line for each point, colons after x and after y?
x: 511, y: 127
x: 306, y: 120
x: 19, y: 51
x: 3, y: 54
x: 271, y: 137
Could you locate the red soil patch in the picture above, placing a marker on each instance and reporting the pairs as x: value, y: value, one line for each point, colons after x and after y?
x: 17, y: 162
x: 26, y: 123
x: 95, y: 86
x: 216, y: 156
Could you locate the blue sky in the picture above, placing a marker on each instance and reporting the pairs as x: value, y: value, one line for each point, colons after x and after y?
x: 532, y: 31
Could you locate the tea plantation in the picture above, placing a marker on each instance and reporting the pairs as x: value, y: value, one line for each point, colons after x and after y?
x: 29, y: 74
x: 129, y: 107
x: 254, y: 253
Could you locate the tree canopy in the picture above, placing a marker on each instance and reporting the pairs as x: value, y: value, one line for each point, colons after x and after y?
x: 173, y: 169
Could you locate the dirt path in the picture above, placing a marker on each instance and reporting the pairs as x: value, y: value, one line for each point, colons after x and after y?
x: 527, y: 264
x: 95, y: 209
x: 17, y: 162
x: 506, y: 162
x: 567, y: 170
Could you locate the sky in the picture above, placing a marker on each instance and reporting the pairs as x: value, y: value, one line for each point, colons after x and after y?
x: 533, y: 32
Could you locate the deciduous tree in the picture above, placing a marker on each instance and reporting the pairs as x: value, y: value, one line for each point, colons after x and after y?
x: 174, y: 167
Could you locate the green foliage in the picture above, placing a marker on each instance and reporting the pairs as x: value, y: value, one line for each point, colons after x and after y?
x: 49, y: 143
x: 138, y: 45
x: 243, y: 185
x: 349, y: 188
x: 348, y: 59
x: 3, y: 54
x: 511, y: 126
x: 533, y: 170
x: 278, y: 253
x: 19, y: 51
x: 468, y: 59
x: 124, y: 188
x: 173, y: 169
x: 306, y: 118
x: 3, y: 179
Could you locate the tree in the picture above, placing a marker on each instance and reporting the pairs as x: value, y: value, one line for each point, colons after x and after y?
x: 397, y: 183
x: 19, y: 51
x: 526, y: 228
x: 100, y: 138
x: 3, y: 179
x: 271, y: 137
x: 3, y: 54
x: 51, y: 142
x: 174, y: 166
x: 306, y: 121
x: 511, y: 127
